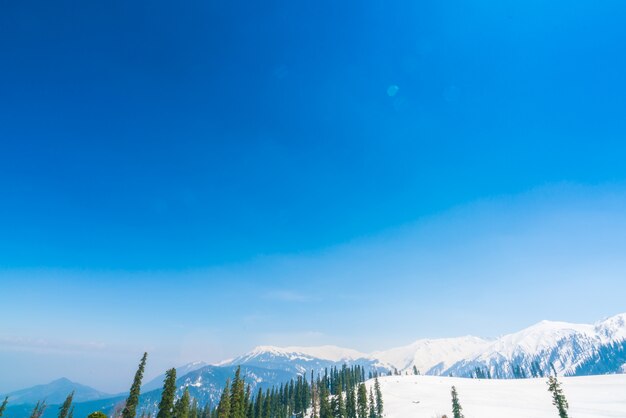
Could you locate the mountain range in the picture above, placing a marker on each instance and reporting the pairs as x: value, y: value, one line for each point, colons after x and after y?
x: 561, y: 347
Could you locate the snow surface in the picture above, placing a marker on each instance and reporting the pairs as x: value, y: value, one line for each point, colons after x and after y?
x: 427, y: 354
x: 429, y: 396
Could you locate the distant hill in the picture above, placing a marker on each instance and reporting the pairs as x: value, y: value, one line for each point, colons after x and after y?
x: 55, y: 392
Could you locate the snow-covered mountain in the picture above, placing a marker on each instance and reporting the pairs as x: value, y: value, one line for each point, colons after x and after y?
x: 303, y: 360
x: 325, y: 352
x: 431, y: 356
x: 535, y: 350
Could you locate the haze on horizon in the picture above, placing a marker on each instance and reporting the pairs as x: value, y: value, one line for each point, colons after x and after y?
x: 194, y: 180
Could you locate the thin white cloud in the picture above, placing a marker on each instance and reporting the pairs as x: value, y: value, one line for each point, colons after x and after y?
x: 41, y: 345
x: 287, y: 296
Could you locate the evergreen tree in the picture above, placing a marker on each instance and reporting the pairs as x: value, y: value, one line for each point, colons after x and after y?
x: 372, y: 413
x: 361, y: 401
x: 194, y: 412
x: 181, y: 408
x: 325, y: 409
x: 133, y: 397
x: 248, y: 402
x: 338, y: 405
x: 223, y: 408
x: 415, y: 372
x: 351, y: 403
x: 267, y: 405
x: 3, y: 407
x: 166, y: 406
x: 314, y: 398
x: 38, y: 410
x: 65, y: 408
x: 558, y: 398
x: 71, y: 415
x: 97, y: 414
x: 456, y: 406
x: 379, y: 398
x: 237, y: 397
x: 258, y: 404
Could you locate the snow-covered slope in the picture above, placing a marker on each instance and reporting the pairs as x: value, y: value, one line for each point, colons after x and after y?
x: 536, y: 349
x: 612, y: 329
x: 431, y: 356
x: 157, y: 382
x: 429, y: 396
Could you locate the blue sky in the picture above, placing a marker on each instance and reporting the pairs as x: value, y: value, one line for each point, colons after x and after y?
x: 198, y: 178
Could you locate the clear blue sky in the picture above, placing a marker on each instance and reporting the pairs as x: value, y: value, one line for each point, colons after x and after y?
x: 198, y: 177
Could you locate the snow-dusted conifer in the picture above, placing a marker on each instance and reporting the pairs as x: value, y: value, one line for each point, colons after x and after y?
x: 456, y: 405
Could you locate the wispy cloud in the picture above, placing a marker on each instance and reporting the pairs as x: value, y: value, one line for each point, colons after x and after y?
x: 285, y: 295
x: 41, y: 345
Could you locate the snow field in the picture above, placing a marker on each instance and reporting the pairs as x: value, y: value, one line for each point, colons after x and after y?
x: 429, y: 396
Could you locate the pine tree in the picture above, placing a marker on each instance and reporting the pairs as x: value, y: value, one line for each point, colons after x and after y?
x: 325, y: 409
x: 248, y: 401
x: 223, y: 409
x: 65, y: 408
x: 38, y: 410
x: 166, y: 406
x: 372, y: 413
x: 194, y: 412
x: 314, y: 397
x: 130, y: 409
x: 456, y: 406
x: 351, y: 403
x: 379, y: 398
x: 558, y: 398
x: 415, y: 372
x: 3, y: 407
x: 267, y: 405
x: 237, y: 397
x: 181, y: 408
x: 258, y: 404
x: 97, y: 414
x: 361, y: 402
x: 338, y: 405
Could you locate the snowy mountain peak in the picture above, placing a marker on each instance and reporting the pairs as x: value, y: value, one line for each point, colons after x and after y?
x: 612, y: 328
x: 325, y: 352
x: 428, y: 355
x: 538, y: 337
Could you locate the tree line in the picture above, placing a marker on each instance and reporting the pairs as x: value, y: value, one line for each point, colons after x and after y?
x: 335, y: 393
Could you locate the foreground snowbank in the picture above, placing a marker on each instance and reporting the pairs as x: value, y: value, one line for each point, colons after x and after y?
x: 429, y: 396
